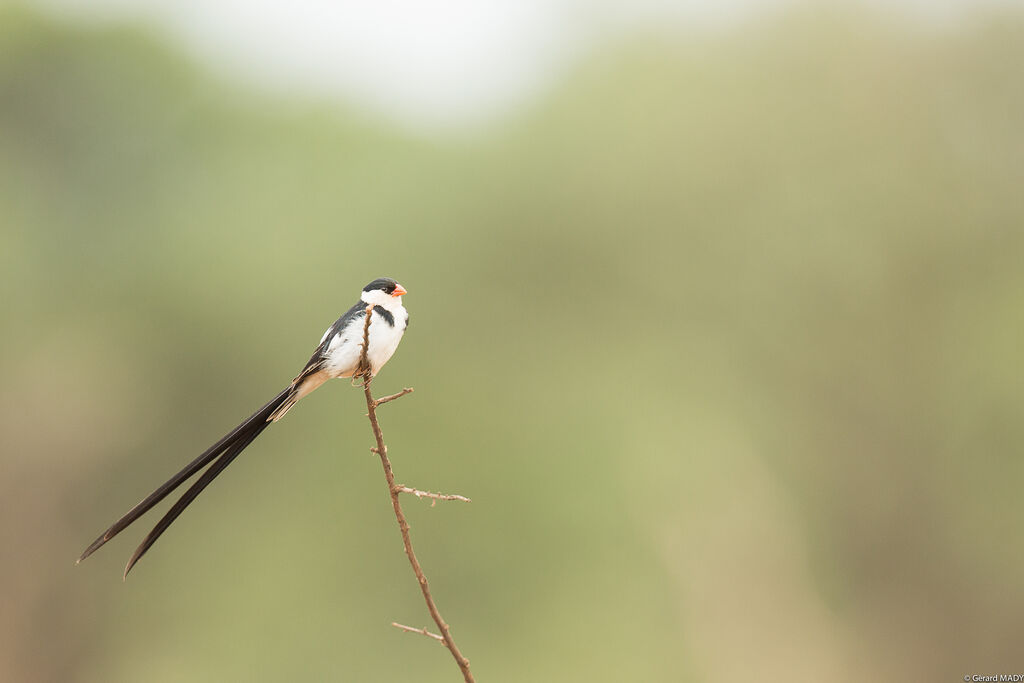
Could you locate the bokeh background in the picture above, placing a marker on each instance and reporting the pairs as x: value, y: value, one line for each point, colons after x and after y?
x: 716, y: 315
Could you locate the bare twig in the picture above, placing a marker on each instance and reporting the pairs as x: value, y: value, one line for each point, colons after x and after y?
x: 382, y: 451
x: 422, y: 631
x: 392, y: 397
x: 427, y: 494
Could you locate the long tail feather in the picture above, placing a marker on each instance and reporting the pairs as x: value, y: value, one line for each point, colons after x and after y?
x: 251, y: 427
x: 209, y: 475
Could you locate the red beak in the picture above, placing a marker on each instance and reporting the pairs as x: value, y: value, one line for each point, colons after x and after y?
x: 399, y: 291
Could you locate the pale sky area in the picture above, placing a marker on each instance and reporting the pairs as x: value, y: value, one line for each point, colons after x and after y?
x: 429, y: 65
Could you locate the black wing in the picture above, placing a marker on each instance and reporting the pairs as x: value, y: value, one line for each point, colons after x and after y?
x: 316, y: 361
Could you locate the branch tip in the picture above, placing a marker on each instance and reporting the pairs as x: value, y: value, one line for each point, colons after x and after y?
x: 401, y: 488
x: 421, y: 631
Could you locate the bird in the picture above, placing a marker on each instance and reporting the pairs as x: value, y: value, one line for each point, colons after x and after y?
x: 339, y: 354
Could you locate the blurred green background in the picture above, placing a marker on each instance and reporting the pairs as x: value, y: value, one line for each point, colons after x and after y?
x: 722, y: 335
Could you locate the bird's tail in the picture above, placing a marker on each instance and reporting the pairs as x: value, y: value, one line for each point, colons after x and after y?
x: 220, y: 454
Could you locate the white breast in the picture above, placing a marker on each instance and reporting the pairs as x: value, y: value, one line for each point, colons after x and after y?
x: 384, y: 338
x: 344, y: 350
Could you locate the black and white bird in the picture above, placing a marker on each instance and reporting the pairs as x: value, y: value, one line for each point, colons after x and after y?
x: 338, y: 355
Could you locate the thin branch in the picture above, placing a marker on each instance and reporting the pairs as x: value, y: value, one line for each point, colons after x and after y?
x: 382, y: 451
x: 392, y: 397
x: 435, y: 496
x: 421, y: 631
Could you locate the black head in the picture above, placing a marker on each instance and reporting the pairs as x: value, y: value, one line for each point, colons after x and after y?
x: 386, y: 285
